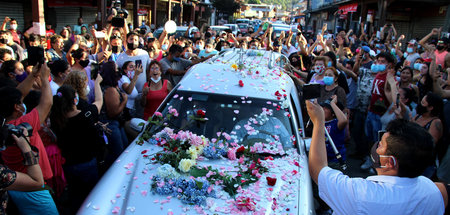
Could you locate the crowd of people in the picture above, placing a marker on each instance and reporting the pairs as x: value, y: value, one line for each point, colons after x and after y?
x: 87, y: 95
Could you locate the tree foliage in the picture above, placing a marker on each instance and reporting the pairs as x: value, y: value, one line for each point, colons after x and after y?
x: 254, y: 1
x: 226, y: 6
x: 285, y: 4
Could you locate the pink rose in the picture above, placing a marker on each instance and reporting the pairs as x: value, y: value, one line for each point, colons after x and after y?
x: 158, y: 114
x: 232, y: 154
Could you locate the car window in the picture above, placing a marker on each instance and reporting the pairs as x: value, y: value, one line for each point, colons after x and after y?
x: 247, y: 120
x: 242, y: 26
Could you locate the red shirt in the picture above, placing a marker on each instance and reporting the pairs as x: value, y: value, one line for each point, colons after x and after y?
x: 17, y: 35
x: 154, y: 99
x: 378, y: 94
x: 12, y: 156
x: 48, y: 34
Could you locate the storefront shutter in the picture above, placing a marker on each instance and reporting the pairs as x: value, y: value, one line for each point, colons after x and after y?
x: 66, y: 16
x: 13, y: 10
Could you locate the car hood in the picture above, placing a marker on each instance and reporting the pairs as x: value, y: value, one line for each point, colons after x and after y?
x: 125, y: 188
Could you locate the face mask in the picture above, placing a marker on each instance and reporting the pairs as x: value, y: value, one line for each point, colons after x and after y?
x: 329, y: 64
x: 409, y: 50
x: 156, y: 80
x: 87, y: 90
x: 24, y: 109
x: 213, y: 38
x: 296, y: 44
x: 22, y: 77
x: 78, y: 99
x: 440, y: 48
x: 83, y: 31
x: 378, y: 51
x: 397, y: 78
x: 176, y: 59
x: 13, y: 26
x: 3, y: 41
x: 132, y: 46
x: 376, y: 163
x: 417, y: 66
x: 84, y: 63
x: 378, y: 68
x: 319, y: 69
x: 199, y: 47
x: 405, y: 54
x: 186, y: 55
x: 328, y: 80
x: 393, y: 51
x: 319, y: 48
x: 90, y: 45
x: 115, y: 49
x: 208, y: 50
x: 130, y: 74
x: 164, y: 47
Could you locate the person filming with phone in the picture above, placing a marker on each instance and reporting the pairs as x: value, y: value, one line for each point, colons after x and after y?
x: 403, y: 153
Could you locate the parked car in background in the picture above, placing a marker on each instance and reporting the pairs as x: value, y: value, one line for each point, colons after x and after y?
x: 219, y: 28
x: 240, y: 119
x: 245, y: 21
x: 233, y: 27
x: 243, y: 28
x: 181, y: 30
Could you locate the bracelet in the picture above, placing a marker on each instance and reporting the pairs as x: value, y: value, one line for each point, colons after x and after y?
x: 30, y: 158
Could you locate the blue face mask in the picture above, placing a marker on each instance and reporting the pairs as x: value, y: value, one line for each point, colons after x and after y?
x: 329, y: 64
x: 328, y: 80
x: 164, y: 47
x: 378, y: 68
x: 22, y: 77
x: 397, y: 73
x: 24, y: 109
x: 296, y: 44
x: 176, y: 59
x: 417, y: 66
x: 409, y: 50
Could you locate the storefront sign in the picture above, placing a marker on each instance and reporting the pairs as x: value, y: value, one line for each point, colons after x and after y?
x: 142, y: 12
x: 348, y: 8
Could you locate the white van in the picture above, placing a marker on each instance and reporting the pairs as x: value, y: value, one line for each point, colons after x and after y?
x: 240, y: 115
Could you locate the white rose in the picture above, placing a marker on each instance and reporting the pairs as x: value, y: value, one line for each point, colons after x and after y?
x: 192, y: 151
x: 185, y: 165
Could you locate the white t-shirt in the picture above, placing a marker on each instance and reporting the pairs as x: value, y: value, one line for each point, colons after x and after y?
x: 134, y: 93
x: 54, y: 86
x: 379, y: 194
x: 143, y: 56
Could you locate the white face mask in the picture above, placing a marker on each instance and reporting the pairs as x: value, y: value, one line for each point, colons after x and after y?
x: 156, y: 80
x: 87, y: 90
x: 208, y: 50
x: 13, y: 26
x: 130, y: 74
x: 199, y: 47
x: 164, y: 47
x: 187, y: 54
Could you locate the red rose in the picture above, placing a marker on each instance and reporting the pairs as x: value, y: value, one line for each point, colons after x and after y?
x: 269, y: 158
x: 143, y: 152
x: 175, y: 149
x: 278, y: 94
x: 271, y: 181
x: 241, y: 83
x: 201, y: 113
x: 240, y: 149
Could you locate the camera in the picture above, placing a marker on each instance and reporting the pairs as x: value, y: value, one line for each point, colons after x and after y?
x: 8, y: 129
x: 122, y: 14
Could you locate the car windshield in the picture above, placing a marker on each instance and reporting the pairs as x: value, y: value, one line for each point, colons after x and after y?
x: 247, y: 120
x: 242, y: 26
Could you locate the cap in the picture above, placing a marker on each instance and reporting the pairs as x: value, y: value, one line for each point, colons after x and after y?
x: 222, y: 32
x: 366, y: 49
x: 414, y: 42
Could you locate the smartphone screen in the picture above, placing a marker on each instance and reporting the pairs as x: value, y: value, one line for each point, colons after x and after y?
x: 36, y: 55
x: 138, y: 62
x: 311, y: 91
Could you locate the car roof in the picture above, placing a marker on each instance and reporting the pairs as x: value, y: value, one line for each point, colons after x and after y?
x: 217, y: 76
x: 219, y: 27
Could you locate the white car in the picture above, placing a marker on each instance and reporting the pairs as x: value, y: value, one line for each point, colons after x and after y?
x: 234, y: 28
x: 236, y: 121
x: 219, y: 28
x: 181, y: 30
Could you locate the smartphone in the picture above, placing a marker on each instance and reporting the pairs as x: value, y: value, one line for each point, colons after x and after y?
x: 397, y: 102
x: 94, y: 70
x: 117, y: 22
x: 100, y: 34
x: 36, y: 55
x: 138, y: 62
x: 380, y: 134
x: 311, y: 91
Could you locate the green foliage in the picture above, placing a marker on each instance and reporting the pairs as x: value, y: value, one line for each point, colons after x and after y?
x: 254, y: 1
x: 226, y: 6
x: 285, y: 4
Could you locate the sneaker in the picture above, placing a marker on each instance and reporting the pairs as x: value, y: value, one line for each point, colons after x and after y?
x: 367, y: 163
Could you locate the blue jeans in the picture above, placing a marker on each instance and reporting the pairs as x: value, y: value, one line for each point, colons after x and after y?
x: 117, y: 140
x: 37, y: 202
x: 81, y: 179
x: 373, y: 125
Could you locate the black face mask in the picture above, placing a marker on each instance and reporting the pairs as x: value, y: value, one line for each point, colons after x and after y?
x: 132, y: 46
x: 440, y: 48
x: 115, y: 49
x: 420, y: 109
x: 84, y: 63
x: 3, y: 41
